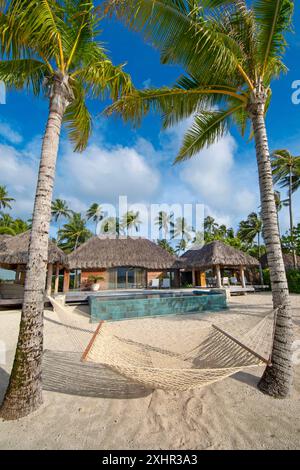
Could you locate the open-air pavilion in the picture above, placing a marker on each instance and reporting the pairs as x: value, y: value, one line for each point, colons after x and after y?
x: 217, y: 257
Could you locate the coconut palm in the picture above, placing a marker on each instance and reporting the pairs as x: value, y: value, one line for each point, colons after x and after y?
x: 249, y: 230
x: 95, y: 214
x: 286, y: 172
x: 111, y: 226
x: 131, y: 220
x: 182, y: 230
x: 5, y: 199
x: 210, y: 225
x: 163, y: 243
x: 74, y: 233
x: 165, y: 223
x: 60, y: 210
x: 181, y: 246
x: 50, y: 48
x: 230, y: 51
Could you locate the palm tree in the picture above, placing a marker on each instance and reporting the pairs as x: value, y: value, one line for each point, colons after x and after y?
x: 74, y: 233
x: 249, y: 230
x: 165, y: 223
x: 111, y: 225
x: 131, y: 220
x: 286, y: 172
x: 230, y: 51
x: 182, y: 229
x: 60, y: 210
x: 163, y: 243
x: 210, y: 225
x: 10, y: 226
x: 95, y: 213
x: 181, y: 246
x: 5, y: 200
x: 50, y: 47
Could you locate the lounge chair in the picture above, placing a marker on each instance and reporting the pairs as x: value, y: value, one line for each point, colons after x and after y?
x: 155, y: 283
x: 225, y: 281
x: 166, y: 283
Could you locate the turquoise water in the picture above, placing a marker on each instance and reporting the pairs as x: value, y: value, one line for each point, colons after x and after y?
x: 148, y: 305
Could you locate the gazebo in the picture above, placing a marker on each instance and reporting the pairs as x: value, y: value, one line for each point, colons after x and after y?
x: 216, y: 256
x: 14, y: 257
x: 124, y: 262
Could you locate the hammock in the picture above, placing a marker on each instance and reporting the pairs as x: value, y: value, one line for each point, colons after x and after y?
x: 219, y: 355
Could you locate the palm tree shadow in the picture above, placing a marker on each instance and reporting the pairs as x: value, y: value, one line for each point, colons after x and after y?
x: 245, y: 377
x: 63, y: 372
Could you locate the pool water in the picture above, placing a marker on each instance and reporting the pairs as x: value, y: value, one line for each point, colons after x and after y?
x: 118, y: 307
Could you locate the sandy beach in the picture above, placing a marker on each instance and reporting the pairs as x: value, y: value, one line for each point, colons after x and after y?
x: 88, y: 407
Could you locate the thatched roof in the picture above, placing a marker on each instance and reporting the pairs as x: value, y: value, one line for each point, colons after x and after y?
x: 217, y: 253
x: 287, y: 259
x: 14, y: 250
x: 105, y: 252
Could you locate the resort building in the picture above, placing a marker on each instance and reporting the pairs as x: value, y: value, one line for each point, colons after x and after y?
x: 122, y: 263
x: 217, y: 264
x: 14, y: 258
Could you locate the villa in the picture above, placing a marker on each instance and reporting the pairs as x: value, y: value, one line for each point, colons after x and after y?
x: 104, y: 263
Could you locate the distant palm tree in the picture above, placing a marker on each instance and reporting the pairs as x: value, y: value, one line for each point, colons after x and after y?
x: 165, y: 223
x: 210, y: 225
x: 166, y: 246
x: 111, y: 226
x: 95, y: 214
x: 182, y: 229
x: 249, y: 230
x: 74, y: 233
x: 60, y: 210
x: 131, y: 220
x: 231, y: 51
x: 181, y: 246
x: 5, y: 199
x: 51, y: 48
x: 286, y: 172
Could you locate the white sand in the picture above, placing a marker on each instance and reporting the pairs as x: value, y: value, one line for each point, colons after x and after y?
x: 101, y: 410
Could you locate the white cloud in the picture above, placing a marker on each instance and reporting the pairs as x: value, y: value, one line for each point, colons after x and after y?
x: 9, y: 134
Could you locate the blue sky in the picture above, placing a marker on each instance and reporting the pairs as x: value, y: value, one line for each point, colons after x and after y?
x: 138, y: 162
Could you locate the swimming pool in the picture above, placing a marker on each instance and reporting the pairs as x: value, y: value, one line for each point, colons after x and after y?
x: 118, y: 307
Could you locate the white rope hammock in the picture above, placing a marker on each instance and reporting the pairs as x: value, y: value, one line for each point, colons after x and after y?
x: 219, y: 354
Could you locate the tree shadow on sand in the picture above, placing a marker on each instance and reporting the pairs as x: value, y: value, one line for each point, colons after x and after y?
x: 63, y: 372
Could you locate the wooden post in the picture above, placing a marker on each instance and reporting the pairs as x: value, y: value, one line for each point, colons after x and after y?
x: 49, y: 279
x: 194, y: 277
x: 242, y: 274
x: 146, y: 278
x: 218, y: 274
x: 66, y: 285
x: 203, y: 279
x: 56, y: 283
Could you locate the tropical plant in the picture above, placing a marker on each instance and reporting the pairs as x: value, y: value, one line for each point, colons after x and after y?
x: 50, y: 47
x: 60, y: 210
x: 182, y: 230
x: 231, y: 51
x: 165, y: 223
x: 5, y: 199
x: 286, y: 172
x: 95, y: 214
x: 181, y: 246
x: 250, y: 229
x: 73, y: 233
x: 111, y: 226
x: 166, y: 246
x: 11, y: 226
x: 210, y: 225
x: 131, y: 220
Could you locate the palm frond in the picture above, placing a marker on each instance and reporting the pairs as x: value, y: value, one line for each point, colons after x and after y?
x: 208, y: 127
x: 23, y: 73
x: 77, y: 119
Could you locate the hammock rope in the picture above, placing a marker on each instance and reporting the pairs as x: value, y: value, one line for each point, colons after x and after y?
x: 219, y: 354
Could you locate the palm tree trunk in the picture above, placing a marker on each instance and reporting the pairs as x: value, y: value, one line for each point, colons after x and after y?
x: 24, y: 393
x: 277, y: 379
x: 291, y: 218
x: 260, y: 268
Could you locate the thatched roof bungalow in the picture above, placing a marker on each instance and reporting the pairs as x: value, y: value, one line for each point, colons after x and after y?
x: 14, y: 256
x: 217, y: 255
x: 122, y: 262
